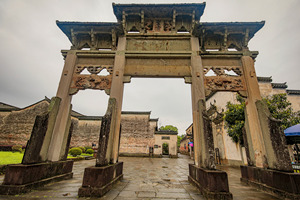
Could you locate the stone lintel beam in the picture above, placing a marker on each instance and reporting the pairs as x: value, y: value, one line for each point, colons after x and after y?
x: 228, y: 54
x: 90, y: 53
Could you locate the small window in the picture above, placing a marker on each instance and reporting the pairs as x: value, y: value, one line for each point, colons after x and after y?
x: 165, y: 137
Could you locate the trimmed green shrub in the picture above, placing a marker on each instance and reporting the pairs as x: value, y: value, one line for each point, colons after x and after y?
x: 16, y: 148
x: 89, y: 151
x: 75, y: 151
x: 82, y: 149
x: 87, y: 147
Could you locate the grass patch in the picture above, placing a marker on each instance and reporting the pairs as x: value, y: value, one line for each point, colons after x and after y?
x: 85, y: 154
x: 8, y: 157
x: 81, y: 155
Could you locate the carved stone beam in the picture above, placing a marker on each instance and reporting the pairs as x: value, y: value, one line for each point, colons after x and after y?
x: 93, y: 81
x: 221, y: 83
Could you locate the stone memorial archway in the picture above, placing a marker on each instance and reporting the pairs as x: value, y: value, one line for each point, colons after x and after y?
x: 166, y: 41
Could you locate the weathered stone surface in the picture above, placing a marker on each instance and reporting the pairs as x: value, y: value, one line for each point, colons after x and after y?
x: 103, y: 141
x: 38, y: 145
x: 99, y: 180
x: 137, y: 134
x: 286, y: 185
x: 208, y: 136
x: 213, y: 184
x: 68, y: 142
x: 21, y: 178
x: 16, y: 126
x: 2, y: 115
x: 85, y: 131
x: 105, y: 145
x: 249, y: 160
x: 277, y: 152
x: 34, y: 144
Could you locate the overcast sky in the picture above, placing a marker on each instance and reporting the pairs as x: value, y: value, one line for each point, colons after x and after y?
x: 31, y: 62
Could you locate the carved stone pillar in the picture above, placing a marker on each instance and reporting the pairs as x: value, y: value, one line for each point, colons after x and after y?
x: 201, y: 146
x: 40, y: 138
x: 277, y: 152
x: 266, y: 143
x: 103, y: 156
x: 253, y: 128
x: 117, y: 88
x: 62, y: 123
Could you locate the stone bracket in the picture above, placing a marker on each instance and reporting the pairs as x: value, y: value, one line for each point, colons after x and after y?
x: 126, y: 79
x: 188, y: 80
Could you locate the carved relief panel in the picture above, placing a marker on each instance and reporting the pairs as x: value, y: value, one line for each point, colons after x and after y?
x: 224, y: 78
x: 158, y: 25
x: 158, y: 45
x: 172, y: 22
x: 92, y: 80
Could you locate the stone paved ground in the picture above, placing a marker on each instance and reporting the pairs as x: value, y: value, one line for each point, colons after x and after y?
x: 144, y: 178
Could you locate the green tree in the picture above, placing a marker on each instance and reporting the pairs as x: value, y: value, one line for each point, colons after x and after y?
x: 235, y: 120
x: 279, y: 107
x: 179, y: 138
x: 168, y: 128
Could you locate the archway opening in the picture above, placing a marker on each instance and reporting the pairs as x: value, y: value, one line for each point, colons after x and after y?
x: 165, y: 149
x: 167, y: 102
x: 88, y: 108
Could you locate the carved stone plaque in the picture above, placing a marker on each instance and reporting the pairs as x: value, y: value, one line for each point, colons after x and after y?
x: 221, y: 83
x: 92, y: 81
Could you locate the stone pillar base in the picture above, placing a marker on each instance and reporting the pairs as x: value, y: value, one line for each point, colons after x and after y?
x: 21, y: 178
x: 213, y: 184
x: 283, y: 184
x: 99, y: 180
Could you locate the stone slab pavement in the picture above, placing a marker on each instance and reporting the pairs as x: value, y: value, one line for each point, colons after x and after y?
x: 146, y: 179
